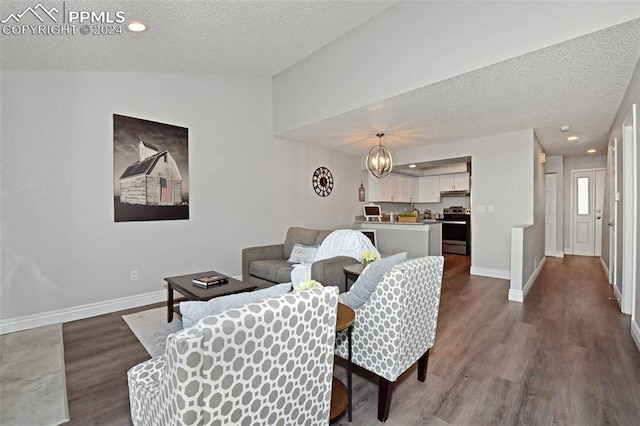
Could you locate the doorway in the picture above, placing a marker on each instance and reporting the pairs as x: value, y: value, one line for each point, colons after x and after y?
x: 626, y: 233
x: 614, y: 197
x: 550, y: 215
x: 587, y: 198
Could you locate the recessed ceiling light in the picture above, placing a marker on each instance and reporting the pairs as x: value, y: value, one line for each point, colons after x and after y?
x: 572, y: 138
x: 565, y: 128
x: 591, y: 151
x: 412, y: 166
x: 136, y: 27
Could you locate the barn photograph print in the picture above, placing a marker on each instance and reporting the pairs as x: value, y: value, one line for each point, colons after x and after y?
x: 151, y: 170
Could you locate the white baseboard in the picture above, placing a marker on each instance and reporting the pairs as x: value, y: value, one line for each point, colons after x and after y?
x: 618, y: 295
x: 516, y: 295
x: 605, y: 267
x: 635, y: 333
x: 532, y: 279
x: 567, y: 250
x: 80, y: 312
x: 520, y: 295
x: 559, y: 253
x: 489, y: 272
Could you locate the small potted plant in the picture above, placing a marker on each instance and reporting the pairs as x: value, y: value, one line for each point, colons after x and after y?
x: 307, y: 284
x: 367, y: 257
x: 408, y: 217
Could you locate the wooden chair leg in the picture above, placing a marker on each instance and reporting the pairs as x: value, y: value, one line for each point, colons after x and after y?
x: 422, y: 366
x: 385, y: 388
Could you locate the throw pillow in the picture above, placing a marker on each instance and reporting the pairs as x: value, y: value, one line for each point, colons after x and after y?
x: 368, y: 281
x: 303, y: 254
x: 194, y: 311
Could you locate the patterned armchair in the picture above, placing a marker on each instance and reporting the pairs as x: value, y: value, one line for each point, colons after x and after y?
x: 397, y: 326
x: 266, y: 363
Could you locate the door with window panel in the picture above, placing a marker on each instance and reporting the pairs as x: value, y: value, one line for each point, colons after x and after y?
x: 587, y: 211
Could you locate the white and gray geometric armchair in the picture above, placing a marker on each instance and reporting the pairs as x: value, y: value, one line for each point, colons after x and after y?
x: 266, y: 363
x: 396, y: 326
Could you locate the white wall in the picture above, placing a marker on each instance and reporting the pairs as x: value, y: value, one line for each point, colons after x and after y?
x: 632, y: 96
x: 570, y: 164
x: 635, y: 316
x: 416, y: 43
x: 527, y: 239
x: 534, y: 248
x: 503, y: 177
x: 554, y: 164
x: 60, y: 245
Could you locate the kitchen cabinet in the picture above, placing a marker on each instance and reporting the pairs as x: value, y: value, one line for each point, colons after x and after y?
x: 455, y: 182
x: 407, y: 188
x: 373, y: 189
x: 396, y: 188
x: 385, y: 189
x: 429, y: 189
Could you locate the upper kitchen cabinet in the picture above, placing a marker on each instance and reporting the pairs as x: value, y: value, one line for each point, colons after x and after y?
x: 373, y: 189
x: 407, y: 188
x: 454, y: 182
x: 396, y: 188
x: 429, y: 189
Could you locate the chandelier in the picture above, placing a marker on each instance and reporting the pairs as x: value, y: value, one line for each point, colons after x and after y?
x: 380, y: 160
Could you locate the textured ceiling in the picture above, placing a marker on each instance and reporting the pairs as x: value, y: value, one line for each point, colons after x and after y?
x: 580, y: 82
x: 227, y: 37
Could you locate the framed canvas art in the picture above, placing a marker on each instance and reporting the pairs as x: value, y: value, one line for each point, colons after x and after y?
x: 151, y: 170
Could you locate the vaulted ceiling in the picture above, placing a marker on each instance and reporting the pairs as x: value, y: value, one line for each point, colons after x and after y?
x: 579, y: 82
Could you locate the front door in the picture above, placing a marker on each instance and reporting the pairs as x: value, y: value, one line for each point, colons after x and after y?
x: 584, y: 207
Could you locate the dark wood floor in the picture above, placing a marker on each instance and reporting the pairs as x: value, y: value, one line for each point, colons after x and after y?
x: 565, y: 356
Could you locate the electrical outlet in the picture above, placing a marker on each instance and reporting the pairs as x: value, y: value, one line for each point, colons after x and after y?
x: 133, y: 276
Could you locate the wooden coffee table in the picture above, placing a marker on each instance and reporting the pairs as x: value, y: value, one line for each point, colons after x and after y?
x: 183, y: 285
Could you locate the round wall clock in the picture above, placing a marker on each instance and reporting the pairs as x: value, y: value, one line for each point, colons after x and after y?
x: 322, y: 181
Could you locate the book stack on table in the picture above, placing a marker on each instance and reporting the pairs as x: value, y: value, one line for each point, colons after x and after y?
x: 206, y: 282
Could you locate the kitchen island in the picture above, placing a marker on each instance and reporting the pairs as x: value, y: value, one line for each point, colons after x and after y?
x: 419, y: 239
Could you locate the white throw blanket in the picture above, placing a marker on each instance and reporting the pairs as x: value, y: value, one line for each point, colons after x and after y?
x: 343, y: 242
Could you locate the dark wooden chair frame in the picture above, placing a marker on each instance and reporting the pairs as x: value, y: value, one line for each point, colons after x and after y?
x: 385, y: 388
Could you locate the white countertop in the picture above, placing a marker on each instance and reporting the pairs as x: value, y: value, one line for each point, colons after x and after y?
x: 420, y: 223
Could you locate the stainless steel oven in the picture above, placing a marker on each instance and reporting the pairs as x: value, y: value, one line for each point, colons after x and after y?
x: 456, y: 230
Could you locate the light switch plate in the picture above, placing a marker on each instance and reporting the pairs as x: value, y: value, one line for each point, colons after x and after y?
x: 480, y: 208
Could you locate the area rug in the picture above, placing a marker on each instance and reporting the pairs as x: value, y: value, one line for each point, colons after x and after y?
x: 33, y: 389
x: 151, y: 328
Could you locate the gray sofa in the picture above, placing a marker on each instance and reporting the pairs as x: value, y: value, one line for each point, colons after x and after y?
x: 267, y: 265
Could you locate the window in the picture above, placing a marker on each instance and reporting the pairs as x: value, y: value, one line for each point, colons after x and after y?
x: 583, y: 195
